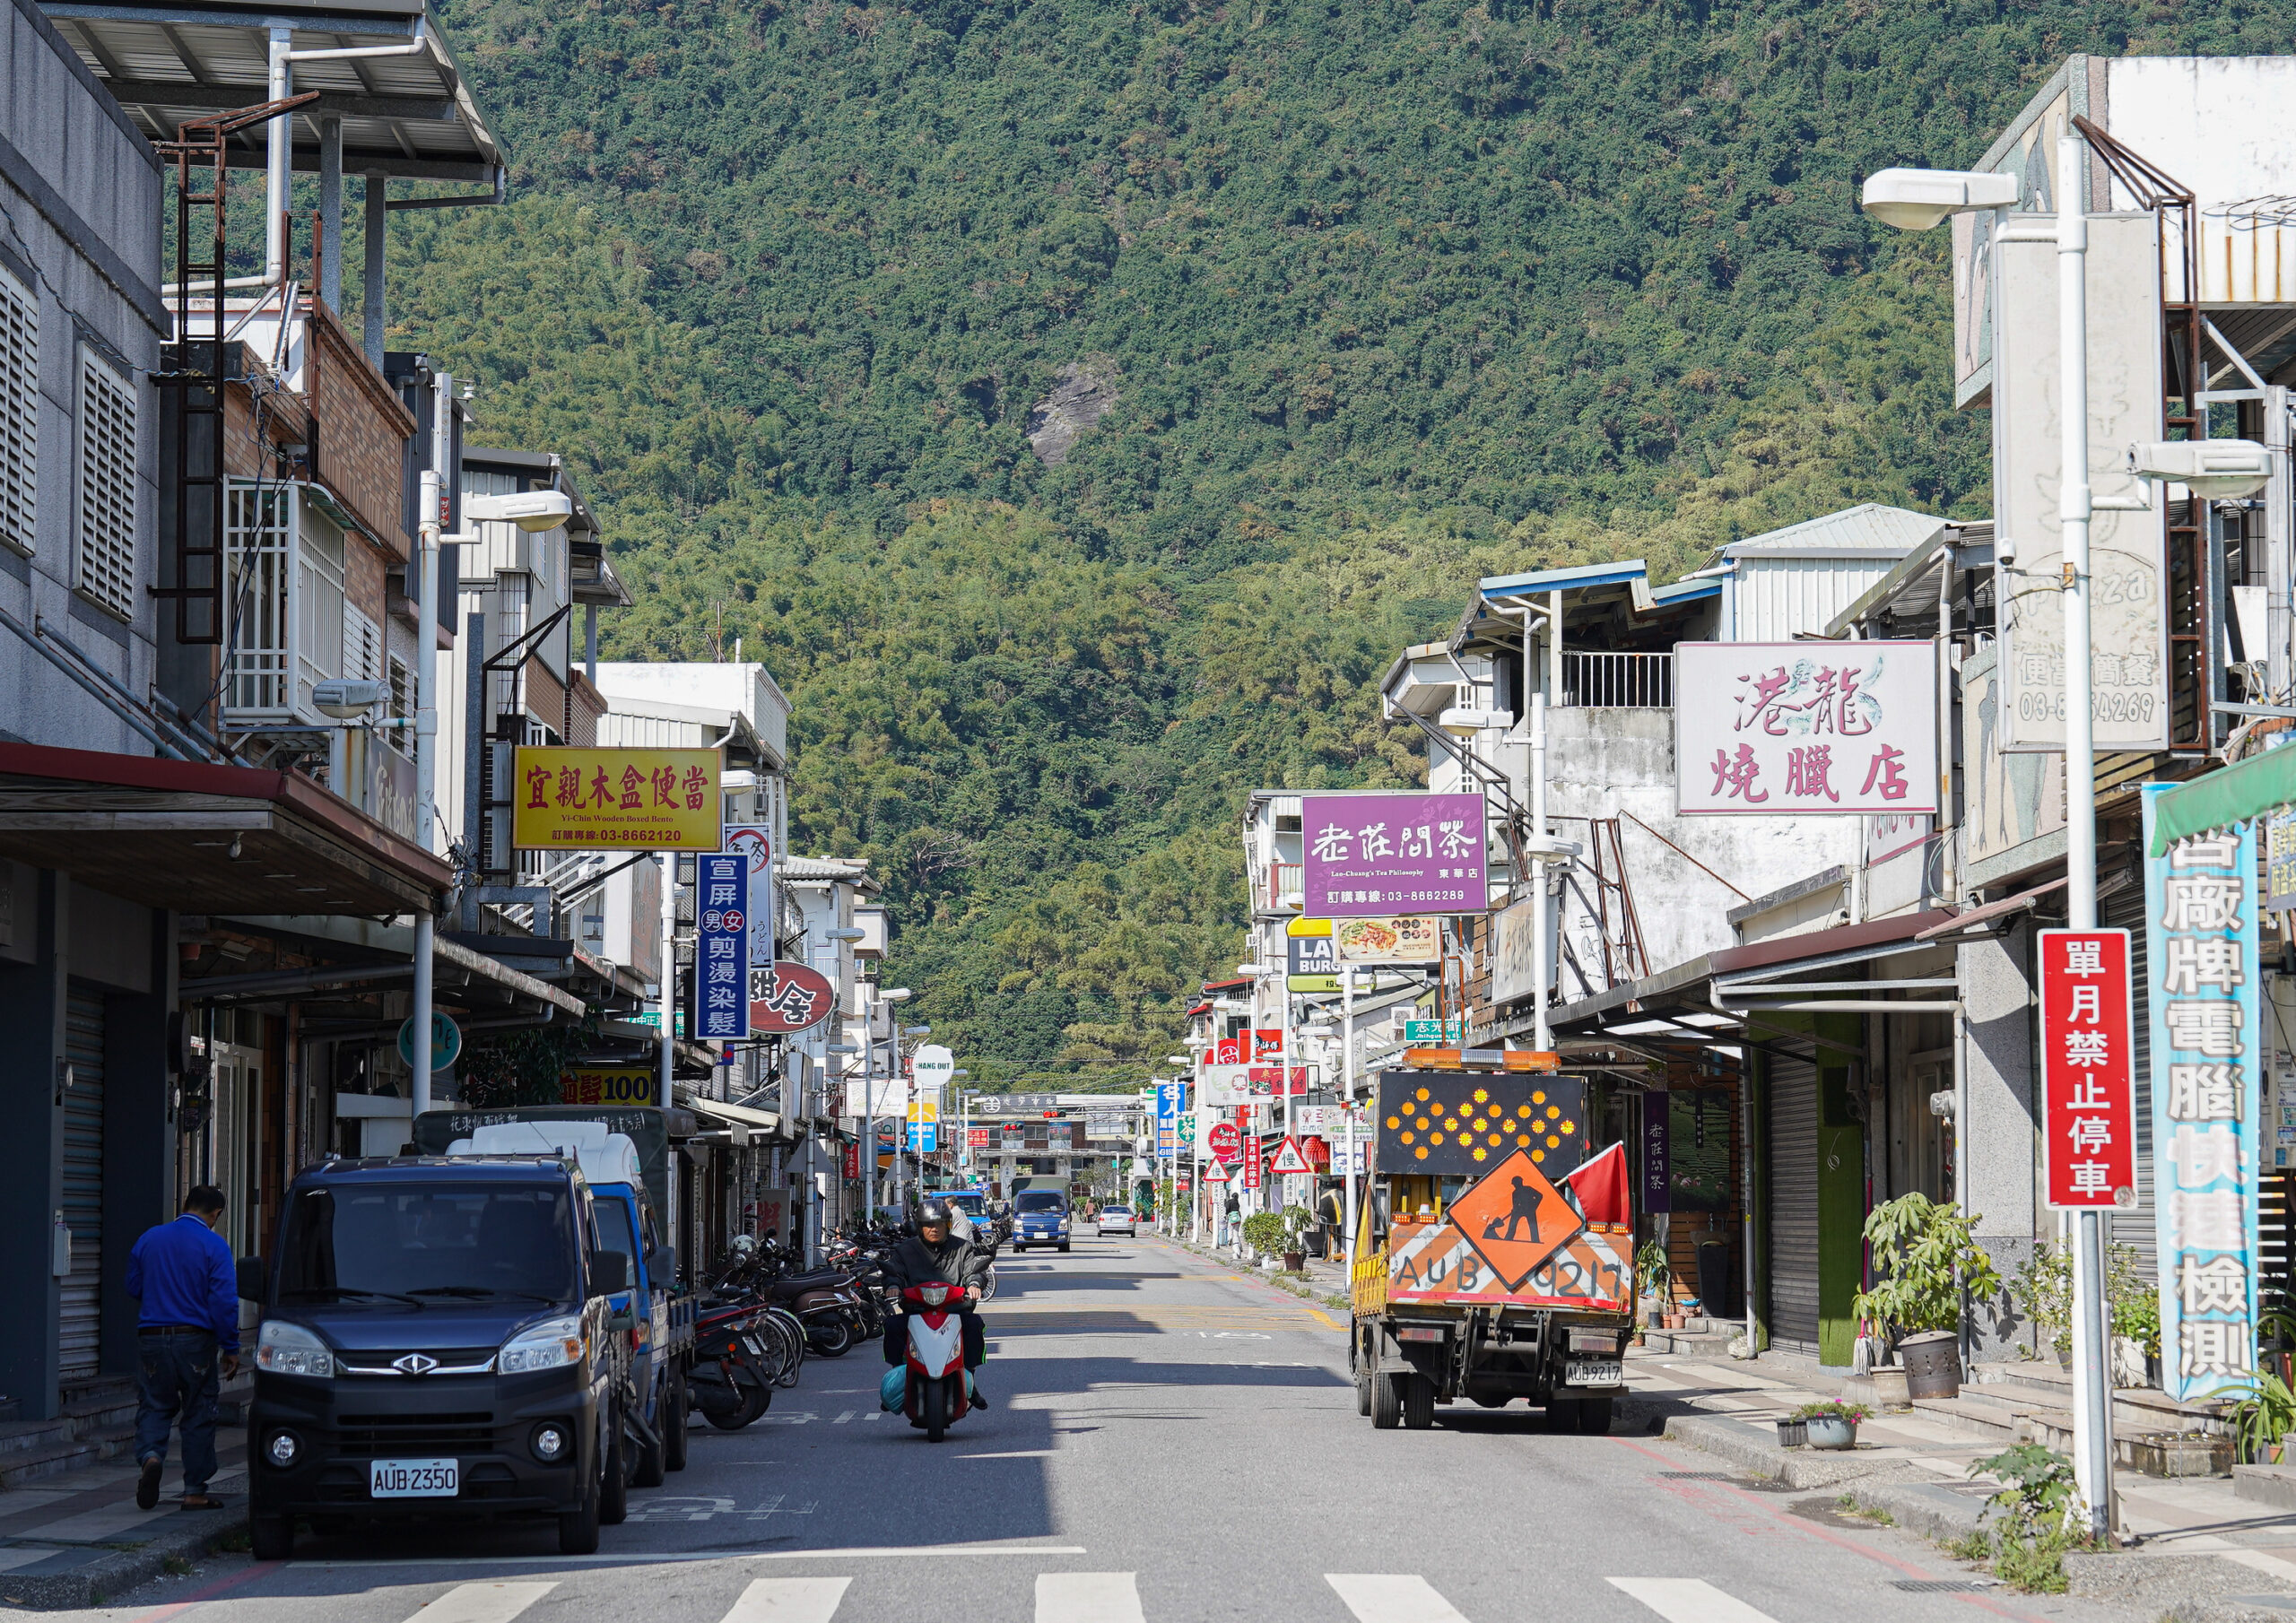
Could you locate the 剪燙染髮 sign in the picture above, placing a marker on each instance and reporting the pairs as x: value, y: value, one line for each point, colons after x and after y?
x: 721, y: 951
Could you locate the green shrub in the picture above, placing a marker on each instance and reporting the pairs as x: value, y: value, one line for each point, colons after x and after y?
x: 1264, y: 1232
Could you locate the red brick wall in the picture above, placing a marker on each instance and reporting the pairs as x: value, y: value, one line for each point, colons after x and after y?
x: 587, y: 705
x: 546, y: 697
x: 362, y: 429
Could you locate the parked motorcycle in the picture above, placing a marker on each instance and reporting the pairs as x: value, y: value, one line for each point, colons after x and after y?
x: 731, y: 1381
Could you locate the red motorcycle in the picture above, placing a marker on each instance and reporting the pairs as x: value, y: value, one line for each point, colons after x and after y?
x: 939, y: 1394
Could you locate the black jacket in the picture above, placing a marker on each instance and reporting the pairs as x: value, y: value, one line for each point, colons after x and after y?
x: 954, y: 1261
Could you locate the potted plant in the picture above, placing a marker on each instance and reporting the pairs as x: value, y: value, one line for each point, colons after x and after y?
x: 2043, y: 1292
x: 1924, y: 1255
x: 2137, y: 1319
x: 1831, y: 1424
x: 1296, y: 1219
x: 1264, y: 1233
x: 1651, y: 1278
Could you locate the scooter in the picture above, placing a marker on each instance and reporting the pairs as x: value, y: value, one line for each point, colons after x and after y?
x: 730, y: 1384
x: 939, y: 1391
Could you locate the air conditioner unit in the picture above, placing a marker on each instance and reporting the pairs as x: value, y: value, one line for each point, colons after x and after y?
x: 1464, y: 723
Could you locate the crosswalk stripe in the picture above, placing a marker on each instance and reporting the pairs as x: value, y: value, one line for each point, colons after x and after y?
x: 1088, y: 1597
x: 786, y: 1600
x: 484, y: 1603
x: 1689, y: 1600
x: 1376, y: 1597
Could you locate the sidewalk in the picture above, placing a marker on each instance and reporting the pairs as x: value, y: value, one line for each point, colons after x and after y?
x: 2198, y: 1543
x: 70, y: 1531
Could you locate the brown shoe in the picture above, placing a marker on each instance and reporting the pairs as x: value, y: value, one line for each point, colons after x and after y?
x: 147, y: 1486
x: 202, y: 1501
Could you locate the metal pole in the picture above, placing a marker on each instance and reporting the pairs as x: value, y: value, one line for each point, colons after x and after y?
x: 330, y: 244
x: 429, y: 521
x: 869, y: 1123
x: 279, y: 175
x: 1542, y: 1035
x: 376, y: 237
x: 669, y: 986
x: 2092, y: 1453
x: 1347, y: 1107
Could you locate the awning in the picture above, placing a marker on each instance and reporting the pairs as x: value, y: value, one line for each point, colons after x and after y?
x: 739, y: 1116
x: 2258, y: 784
x: 203, y: 839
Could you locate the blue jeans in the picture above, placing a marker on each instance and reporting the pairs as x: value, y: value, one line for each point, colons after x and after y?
x: 176, y: 1371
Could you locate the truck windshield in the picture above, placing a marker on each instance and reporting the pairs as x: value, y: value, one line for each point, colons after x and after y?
x: 430, y: 1242
x: 1038, y: 1203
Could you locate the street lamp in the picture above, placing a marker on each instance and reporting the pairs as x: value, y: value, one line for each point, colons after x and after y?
x: 1917, y: 200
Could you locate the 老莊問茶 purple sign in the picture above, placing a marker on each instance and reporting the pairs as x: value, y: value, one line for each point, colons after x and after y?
x: 1371, y: 856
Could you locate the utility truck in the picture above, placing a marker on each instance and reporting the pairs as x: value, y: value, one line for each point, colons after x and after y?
x: 1493, y: 1253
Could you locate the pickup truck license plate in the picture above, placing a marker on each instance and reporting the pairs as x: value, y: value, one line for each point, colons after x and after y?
x: 413, y: 1478
x: 1594, y: 1372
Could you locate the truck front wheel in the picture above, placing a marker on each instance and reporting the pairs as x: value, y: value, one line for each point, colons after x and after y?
x: 578, y: 1528
x: 271, y: 1538
x: 1418, y: 1403
x: 1387, y: 1401
x: 614, y: 1496
x: 1595, y: 1417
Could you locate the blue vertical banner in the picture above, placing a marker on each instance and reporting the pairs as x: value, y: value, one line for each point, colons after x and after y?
x: 1170, y: 1096
x: 2201, y: 907
x: 721, y: 951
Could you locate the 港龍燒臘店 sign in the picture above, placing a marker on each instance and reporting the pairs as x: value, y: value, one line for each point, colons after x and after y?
x: 572, y: 799
x: 1375, y: 855
x: 1797, y: 728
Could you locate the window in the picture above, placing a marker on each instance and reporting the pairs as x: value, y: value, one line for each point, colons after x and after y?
x: 320, y: 620
x: 107, y: 570
x: 401, y: 739
x: 18, y: 411
x: 362, y: 646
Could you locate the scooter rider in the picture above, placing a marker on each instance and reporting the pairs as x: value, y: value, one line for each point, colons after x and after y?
x: 935, y: 1252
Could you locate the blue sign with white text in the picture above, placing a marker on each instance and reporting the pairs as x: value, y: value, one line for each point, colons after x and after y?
x: 721, y: 951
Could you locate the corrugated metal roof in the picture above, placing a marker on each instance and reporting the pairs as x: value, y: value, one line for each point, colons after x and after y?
x: 1564, y: 580
x: 1866, y: 528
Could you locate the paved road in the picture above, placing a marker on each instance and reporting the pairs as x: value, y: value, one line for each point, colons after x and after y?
x: 1172, y: 1442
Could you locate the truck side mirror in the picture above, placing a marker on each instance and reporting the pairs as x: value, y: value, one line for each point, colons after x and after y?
x: 662, y: 1265
x: 609, y: 1272
x: 254, y: 1279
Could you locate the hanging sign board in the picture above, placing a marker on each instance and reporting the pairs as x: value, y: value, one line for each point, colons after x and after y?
x: 721, y: 947
x: 2201, y: 979
x: 789, y: 997
x: 1372, y: 856
x: 569, y: 799
x: 1387, y: 941
x: 2088, y: 1072
x: 1803, y: 728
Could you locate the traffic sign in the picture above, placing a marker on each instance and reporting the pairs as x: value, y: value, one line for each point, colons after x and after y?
x: 1289, y: 1159
x: 2088, y: 1111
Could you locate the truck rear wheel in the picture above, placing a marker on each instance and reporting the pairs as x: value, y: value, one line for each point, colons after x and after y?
x: 1595, y: 1417
x: 1387, y: 1401
x: 676, y: 1413
x: 1418, y: 1403
x: 1563, y: 1414
x: 1363, y: 1388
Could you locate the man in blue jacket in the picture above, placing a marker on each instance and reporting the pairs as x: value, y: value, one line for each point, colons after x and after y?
x: 183, y: 1275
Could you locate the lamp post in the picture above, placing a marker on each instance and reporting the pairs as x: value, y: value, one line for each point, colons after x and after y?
x: 1917, y: 200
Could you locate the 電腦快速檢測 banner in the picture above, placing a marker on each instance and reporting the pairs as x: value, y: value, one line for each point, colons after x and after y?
x: 1792, y: 728
x: 1376, y: 855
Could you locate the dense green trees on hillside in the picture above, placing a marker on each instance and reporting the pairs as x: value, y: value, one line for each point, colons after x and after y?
x: 1390, y: 294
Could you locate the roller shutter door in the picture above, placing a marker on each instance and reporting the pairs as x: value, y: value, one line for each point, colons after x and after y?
x: 83, y: 1182
x: 1793, y: 1205
x: 2134, y: 1228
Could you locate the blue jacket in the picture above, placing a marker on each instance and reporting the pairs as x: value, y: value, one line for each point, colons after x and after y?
x: 182, y: 1273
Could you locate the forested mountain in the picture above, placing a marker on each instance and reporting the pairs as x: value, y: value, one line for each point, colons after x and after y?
x: 1368, y: 299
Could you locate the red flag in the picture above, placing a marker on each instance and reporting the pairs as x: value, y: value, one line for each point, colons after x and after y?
x: 1600, y: 1187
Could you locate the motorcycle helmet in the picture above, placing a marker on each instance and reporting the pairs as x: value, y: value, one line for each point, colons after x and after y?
x: 931, y: 1214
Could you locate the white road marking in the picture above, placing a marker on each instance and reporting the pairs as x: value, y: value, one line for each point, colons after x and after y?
x: 484, y: 1603
x: 788, y: 1600
x: 843, y: 1417
x: 1376, y: 1597
x: 896, y: 1551
x: 1017, y: 1453
x: 1688, y: 1601
x: 1088, y: 1597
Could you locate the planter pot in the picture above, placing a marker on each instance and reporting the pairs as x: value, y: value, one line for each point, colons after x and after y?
x: 1792, y: 1434
x: 1933, y: 1364
x: 1676, y: 1321
x: 1891, y: 1387
x: 1831, y: 1431
x: 1295, y: 1261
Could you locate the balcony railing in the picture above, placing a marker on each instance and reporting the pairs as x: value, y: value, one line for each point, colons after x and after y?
x: 1595, y: 681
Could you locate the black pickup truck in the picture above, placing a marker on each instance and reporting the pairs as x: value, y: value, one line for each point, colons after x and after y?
x: 438, y: 1341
